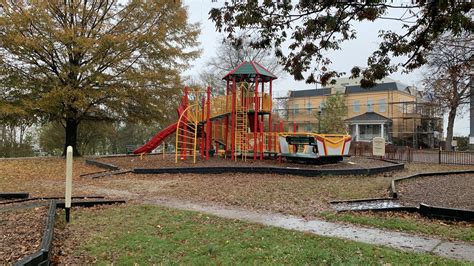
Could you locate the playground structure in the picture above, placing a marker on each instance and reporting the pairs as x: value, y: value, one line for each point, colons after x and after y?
x: 239, y: 124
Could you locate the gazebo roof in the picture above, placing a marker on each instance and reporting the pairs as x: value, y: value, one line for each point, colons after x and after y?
x: 247, y: 71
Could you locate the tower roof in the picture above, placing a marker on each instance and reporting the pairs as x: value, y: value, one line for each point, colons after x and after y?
x: 247, y: 71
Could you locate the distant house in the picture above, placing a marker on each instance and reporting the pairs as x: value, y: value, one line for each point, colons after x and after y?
x: 391, y: 109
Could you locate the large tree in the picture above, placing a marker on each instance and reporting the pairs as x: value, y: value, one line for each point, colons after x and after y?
x: 311, y: 28
x: 448, y: 76
x: 101, y: 60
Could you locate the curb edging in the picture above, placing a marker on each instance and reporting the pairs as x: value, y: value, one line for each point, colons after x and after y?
x: 43, y: 255
x: 424, y: 209
x: 102, y: 165
x: 270, y: 170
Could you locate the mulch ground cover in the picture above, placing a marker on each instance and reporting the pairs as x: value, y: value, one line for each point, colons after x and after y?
x: 453, y: 191
x: 21, y: 231
x: 39, y: 176
x: 157, y: 161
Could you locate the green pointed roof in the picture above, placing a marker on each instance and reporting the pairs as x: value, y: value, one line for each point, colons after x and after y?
x: 247, y: 71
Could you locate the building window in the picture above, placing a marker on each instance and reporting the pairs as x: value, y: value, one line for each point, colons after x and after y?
x: 356, y: 106
x: 309, y: 108
x: 321, y: 107
x: 370, y: 105
x: 295, y: 109
x: 382, y: 106
x: 308, y: 127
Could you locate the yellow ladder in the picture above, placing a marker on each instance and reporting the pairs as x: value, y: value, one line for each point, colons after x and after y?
x: 241, y: 126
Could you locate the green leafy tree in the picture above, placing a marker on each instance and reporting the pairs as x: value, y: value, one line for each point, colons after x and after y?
x: 311, y: 28
x: 332, y: 114
x: 93, y: 60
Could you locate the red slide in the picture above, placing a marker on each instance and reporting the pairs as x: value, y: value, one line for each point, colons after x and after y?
x: 158, y: 138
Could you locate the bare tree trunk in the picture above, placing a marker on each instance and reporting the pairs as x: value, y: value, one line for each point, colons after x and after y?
x: 449, y: 130
x: 71, y: 136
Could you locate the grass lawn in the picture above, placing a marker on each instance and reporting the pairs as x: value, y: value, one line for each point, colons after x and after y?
x: 149, y: 234
x: 407, y: 222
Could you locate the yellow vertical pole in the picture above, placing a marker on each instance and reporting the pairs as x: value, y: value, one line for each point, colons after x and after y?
x: 196, y: 122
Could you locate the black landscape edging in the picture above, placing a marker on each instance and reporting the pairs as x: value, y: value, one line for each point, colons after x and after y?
x: 427, y: 211
x: 109, y: 173
x: 49, y: 198
x: 446, y: 213
x: 359, y: 200
x: 102, y: 165
x: 270, y: 170
x: 259, y: 170
x: 14, y: 195
x: 93, y: 173
x: 424, y: 209
x: 386, y: 209
x: 43, y: 255
x: 90, y: 203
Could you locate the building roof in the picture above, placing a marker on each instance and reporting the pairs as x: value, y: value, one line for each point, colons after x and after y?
x: 386, y: 86
x: 347, y: 81
x: 310, y: 93
x: 369, y: 117
x: 247, y: 71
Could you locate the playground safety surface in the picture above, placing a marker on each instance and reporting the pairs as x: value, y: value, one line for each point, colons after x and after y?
x: 454, y: 191
x: 20, y: 232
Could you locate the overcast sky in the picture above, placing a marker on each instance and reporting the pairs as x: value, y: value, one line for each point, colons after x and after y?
x: 354, y: 52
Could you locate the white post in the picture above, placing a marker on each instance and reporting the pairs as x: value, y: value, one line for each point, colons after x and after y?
x: 67, y: 198
x: 382, y: 130
x: 357, y: 132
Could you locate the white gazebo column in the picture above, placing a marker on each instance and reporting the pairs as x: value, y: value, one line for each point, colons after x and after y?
x: 381, y: 130
x: 357, y: 132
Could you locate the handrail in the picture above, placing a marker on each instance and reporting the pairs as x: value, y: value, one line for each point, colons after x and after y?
x: 195, y: 122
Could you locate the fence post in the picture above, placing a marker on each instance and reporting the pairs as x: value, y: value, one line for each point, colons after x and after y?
x: 439, y: 155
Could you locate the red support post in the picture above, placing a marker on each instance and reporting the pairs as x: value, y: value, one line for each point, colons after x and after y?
x: 232, y: 141
x: 226, y: 119
x: 208, y: 122
x: 261, y: 138
x: 270, y: 118
x: 255, y: 120
x: 203, y: 144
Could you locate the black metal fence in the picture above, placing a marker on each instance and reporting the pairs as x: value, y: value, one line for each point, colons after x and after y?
x: 408, y: 154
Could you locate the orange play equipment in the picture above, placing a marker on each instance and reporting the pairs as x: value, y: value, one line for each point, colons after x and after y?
x: 239, y: 124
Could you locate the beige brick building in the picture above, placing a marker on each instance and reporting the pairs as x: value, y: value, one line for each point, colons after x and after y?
x: 398, y: 112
